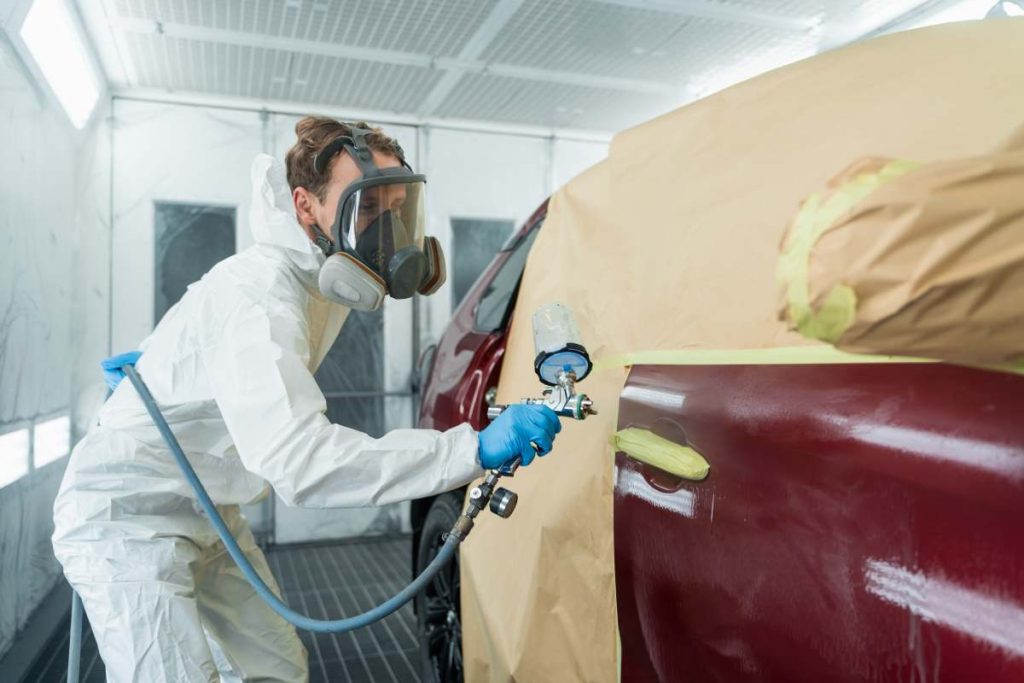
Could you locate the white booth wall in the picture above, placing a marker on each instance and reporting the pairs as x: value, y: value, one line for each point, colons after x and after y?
x: 54, y: 194
x: 170, y: 153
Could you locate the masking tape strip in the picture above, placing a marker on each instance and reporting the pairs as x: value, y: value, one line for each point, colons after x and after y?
x: 817, y: 215
x: 784, y: 355
x: 666, y: 455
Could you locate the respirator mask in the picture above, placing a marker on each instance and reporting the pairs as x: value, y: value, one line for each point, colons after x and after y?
x: 377, y: 246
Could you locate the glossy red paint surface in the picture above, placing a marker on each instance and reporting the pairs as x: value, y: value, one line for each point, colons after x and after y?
x: 860, y: 522
x: 468, y: 362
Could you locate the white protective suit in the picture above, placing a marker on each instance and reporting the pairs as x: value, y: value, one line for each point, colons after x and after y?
x: 231, y: 366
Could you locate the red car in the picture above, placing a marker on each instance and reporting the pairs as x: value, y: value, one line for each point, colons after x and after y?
x: 869, y: 524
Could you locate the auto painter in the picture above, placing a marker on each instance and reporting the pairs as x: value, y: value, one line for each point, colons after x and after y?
x: 338, y: 226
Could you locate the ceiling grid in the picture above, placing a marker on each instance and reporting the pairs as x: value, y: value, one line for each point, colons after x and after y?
x: 584, y: 64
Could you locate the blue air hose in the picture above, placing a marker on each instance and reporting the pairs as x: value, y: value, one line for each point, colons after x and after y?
x: 321, y: 626
x: 75, y: 640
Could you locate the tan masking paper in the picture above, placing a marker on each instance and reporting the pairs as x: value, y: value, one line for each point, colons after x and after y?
x: 538, y: 587
x: 672, y: 243
x: 932, y: 262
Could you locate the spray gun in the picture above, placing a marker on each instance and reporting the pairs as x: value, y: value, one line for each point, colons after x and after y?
x: 561, y: 361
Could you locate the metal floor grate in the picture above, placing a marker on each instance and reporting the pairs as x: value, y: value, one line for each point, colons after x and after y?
x: 324, y: 580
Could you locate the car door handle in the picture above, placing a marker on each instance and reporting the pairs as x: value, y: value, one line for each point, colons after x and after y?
x: 667, y: 456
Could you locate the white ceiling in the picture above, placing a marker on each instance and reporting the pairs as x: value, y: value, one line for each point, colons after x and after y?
x: 596, y: 65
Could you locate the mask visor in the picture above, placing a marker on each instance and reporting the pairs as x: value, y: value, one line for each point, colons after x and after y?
x: 381, y: 217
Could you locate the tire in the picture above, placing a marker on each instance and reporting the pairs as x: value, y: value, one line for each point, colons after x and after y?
x: 438, y: 614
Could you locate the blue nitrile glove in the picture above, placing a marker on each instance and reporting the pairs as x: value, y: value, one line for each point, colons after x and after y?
x: 511, y: 433
x: 112, y: 372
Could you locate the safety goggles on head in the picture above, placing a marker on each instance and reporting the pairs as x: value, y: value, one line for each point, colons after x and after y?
x: 377, y: 245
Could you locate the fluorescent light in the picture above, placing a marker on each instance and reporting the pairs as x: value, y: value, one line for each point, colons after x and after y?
x: 1008, y: 8
x: 966, y: 10
x: 50, y: 35
x: 13, y: 456
x: 51, y: 440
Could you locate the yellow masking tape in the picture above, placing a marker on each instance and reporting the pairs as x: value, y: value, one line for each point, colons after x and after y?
x: 816, y: 216
x: 783, y: 355
x: 666, y: 455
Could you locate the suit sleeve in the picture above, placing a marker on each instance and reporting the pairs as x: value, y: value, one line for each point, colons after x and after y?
x: 258, y: 368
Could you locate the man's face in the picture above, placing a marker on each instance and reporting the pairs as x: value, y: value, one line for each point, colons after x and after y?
x: 374, y: 201
x: 344, y: 171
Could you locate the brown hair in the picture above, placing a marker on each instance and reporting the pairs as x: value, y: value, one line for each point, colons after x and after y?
x: 314, y: 133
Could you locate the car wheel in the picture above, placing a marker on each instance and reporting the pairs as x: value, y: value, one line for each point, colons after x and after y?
x: 438, y: 605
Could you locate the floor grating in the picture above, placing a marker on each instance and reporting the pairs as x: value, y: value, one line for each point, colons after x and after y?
x: 324, y: 581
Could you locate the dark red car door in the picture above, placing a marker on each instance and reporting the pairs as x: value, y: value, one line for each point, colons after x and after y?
x: 859, y: 522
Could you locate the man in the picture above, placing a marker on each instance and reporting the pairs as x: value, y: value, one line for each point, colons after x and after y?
x: 231, y: 366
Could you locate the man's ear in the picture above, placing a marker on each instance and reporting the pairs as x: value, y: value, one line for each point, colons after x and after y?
x: 303, y: 206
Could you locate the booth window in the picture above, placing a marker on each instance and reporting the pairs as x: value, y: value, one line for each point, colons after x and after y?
x: 51, y: 441
x: 496, y: 302
x: 190, y: 239
x: 13, y: 456
x: 475, y: 241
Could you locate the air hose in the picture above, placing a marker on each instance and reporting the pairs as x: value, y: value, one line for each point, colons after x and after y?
x: 75, y: 639
x: 446, y: 553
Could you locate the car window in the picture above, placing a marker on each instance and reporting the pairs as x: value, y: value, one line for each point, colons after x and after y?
x: 497, y: 298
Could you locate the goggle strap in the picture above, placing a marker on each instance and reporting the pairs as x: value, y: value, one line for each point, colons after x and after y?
x: 363, y: 146
x: 324, y: 156
x: 359, y: 148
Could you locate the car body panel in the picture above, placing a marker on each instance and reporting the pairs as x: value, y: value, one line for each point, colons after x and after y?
x: 859, y: 522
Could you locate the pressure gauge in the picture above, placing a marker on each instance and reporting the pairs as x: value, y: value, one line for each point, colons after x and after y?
x: 556, y: 339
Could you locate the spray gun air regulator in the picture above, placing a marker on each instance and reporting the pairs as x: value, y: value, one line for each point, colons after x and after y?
x: 561, y: 361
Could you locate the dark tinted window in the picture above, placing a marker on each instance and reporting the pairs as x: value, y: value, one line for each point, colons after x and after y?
x: 474, y: 244
x: 497, y: 299
x: 190, y: 239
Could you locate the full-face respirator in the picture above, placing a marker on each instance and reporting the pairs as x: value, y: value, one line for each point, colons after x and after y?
x: 377, y: 246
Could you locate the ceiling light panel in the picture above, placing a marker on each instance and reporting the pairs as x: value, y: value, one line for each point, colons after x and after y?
x: 438, y: 28
x: 183, y: 65
x: 627, y: 42
x: 689, y: 48
x: 504, y: 99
